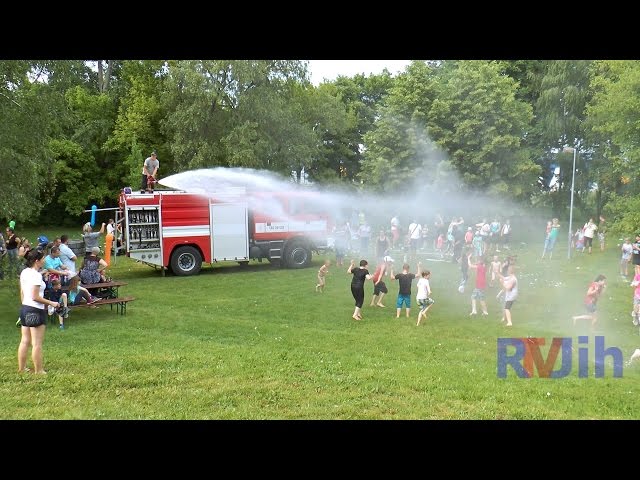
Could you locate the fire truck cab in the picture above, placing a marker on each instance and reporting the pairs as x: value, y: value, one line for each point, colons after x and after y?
x: 180, y: 230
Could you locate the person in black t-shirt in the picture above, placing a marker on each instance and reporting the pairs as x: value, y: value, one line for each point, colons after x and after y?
x: 404, y: 293
x: 360, y: 275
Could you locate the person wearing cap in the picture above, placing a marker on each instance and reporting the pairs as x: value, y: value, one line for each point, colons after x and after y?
x: 91, y: 237
x: 149, y: 171
x: 93, y: 267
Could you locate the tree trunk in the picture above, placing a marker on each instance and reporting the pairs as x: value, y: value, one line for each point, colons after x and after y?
x: 100, y: 76
x: 103, y: 78
x: 107, y: 78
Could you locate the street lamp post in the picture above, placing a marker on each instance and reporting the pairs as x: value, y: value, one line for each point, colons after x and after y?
x: 573, y: 181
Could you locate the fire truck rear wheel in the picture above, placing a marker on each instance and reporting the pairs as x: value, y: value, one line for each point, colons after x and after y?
x: 297, y: 255
x: 186, y: 261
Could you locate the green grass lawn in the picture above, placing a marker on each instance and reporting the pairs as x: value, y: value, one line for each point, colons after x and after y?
x: 257, y: 342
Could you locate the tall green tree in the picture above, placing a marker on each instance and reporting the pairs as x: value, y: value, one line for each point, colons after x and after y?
x: 138, y: 128
x: 613, y: 119
x: 259, y: 114
x: 24, y: 130
x: 484, y: 126
x: 326, y: 125
x: 614, y: 115
x: 362, y: 96
x: 84, y: 108
x: 462, y: 114
x: 560, y: 114
x: 85, y: 173
x: 398, y: 145
x: 564, y: 93
x: 203, y: 98
x: 528, y: 74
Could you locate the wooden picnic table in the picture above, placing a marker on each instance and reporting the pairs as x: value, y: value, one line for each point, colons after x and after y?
x: 111, y: 286
x: 111, y: 300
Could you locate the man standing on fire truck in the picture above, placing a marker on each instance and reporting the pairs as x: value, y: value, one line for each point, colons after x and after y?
x: 149, y: 171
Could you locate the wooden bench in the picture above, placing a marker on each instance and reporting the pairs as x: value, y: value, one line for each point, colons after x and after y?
x: 120, y: 303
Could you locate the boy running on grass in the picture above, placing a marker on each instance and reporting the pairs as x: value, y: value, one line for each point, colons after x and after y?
x: 593, y: 293
x: 404, y: 292
x: 322, y: 273
x: 424, y: 296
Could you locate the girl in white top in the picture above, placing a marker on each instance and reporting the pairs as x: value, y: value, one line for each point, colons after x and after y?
x: 423, y: 296
x: 33, y: 315
x: 589, y: 231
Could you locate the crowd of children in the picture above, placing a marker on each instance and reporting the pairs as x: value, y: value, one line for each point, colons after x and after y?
x: 477, y: 245
x: 467, y: 246
x: 500, y: 271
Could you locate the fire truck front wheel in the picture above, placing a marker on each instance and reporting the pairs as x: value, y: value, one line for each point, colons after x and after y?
x: 186, y: 261
x: 297, y: 255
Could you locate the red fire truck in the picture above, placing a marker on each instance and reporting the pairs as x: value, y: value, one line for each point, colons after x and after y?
x: 180, y: 230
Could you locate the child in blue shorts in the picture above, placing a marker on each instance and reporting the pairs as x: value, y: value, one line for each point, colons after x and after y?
x: 404, y: 292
